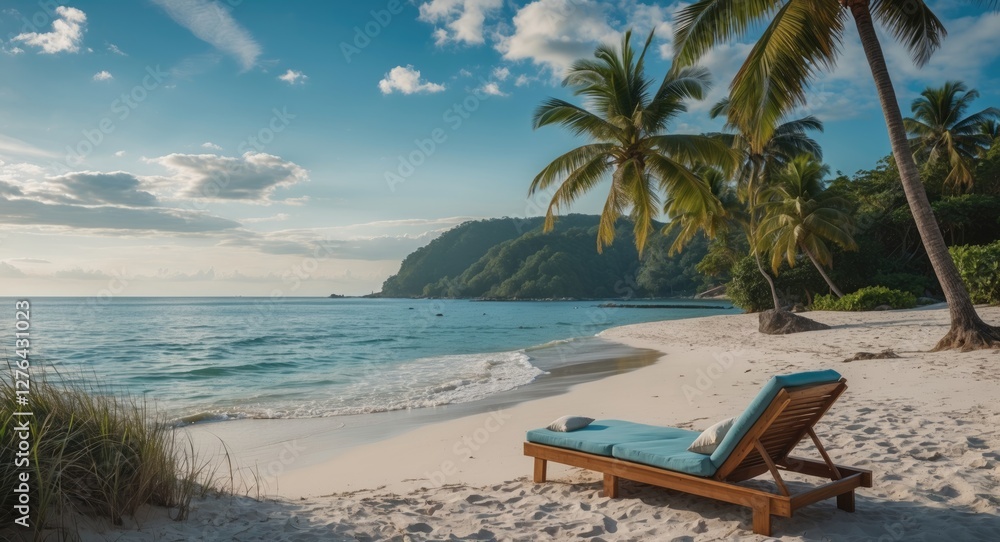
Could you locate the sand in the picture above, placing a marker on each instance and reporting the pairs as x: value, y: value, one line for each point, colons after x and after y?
x: 925, y: 423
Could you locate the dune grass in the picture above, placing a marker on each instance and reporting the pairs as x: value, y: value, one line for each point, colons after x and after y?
x: 92, y: 454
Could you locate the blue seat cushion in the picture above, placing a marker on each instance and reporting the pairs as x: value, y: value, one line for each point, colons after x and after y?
x: 671, y: 454
x: 760, y: 403
x: 602, y: 435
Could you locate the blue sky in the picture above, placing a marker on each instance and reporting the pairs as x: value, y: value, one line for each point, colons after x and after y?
x: 226, y: 147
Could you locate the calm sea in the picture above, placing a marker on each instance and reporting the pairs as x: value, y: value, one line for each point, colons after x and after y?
x: 224, y: 358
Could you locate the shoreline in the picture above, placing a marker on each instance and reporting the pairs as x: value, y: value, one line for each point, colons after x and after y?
x: 309, y: 441
x: 927, y: 424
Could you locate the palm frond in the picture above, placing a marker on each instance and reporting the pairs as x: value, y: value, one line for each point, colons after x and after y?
x: 913, y: 24
x: 707, y: 23
x: 803, y: 36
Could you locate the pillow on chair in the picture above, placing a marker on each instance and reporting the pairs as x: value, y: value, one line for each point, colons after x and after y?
x: 709, y: 439
x: 569, y: 423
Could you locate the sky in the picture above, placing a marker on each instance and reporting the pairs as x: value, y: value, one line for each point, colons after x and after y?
x: 229, y: 147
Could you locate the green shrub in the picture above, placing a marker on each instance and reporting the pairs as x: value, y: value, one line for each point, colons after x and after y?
x: 979, y: 266
x: 866, y: 299
x: 92, y: 454
x: 748, y: 290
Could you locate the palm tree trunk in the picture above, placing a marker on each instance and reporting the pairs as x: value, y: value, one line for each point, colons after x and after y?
x: 770, y: 281
x: 822, y: 272
x: 968, y: 331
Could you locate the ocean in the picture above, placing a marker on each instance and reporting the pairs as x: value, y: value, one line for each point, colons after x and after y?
x: 217, y: 359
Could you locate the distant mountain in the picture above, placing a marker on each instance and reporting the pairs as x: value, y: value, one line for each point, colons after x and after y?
x: 511, y: 258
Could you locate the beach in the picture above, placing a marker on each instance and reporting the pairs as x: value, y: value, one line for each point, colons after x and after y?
x: 926, y: 424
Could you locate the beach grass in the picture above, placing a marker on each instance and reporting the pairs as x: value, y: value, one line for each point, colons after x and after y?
x: 89, y: 454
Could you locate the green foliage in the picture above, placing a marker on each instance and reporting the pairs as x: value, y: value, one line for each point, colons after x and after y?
x: 538, y: 265
x: 451, y: 253
x: 866, y: 299
x: 93, y: 454
x: 979, y: 267
x: 748, y: 290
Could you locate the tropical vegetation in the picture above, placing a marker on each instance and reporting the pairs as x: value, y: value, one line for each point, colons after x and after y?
x: 866, y: 299
x: 803, y: 36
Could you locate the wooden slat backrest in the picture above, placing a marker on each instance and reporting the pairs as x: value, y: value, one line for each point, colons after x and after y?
x: 780, y: 428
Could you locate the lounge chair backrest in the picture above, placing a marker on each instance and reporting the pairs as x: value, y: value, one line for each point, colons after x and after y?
x: 746, y: 421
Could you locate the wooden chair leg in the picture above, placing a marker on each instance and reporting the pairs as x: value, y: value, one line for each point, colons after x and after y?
x: 610, y: 486
x: 762, y: 516
x: 540, y: 465
x: 845, y: 501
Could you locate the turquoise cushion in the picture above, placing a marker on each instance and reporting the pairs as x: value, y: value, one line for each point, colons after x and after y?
x: 670, y: 454
x: 601, y: 436
x: 760, y: 403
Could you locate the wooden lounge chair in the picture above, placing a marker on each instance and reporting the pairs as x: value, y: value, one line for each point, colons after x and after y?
x: 760, y: 441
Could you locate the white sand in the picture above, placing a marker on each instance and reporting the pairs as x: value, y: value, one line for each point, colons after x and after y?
x: 926, y: 424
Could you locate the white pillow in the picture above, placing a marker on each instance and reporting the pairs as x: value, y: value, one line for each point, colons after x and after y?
x: 569, y: 423
x: 709, y: 439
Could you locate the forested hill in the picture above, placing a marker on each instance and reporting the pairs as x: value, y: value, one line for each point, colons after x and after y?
x: 511, y: 258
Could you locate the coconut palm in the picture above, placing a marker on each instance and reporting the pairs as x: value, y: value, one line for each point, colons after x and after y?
x: 627, y: 123
x: 939, y: 132
x: 756, y: 167
x: 802, y: 37
x: 990, y: 129
x: 800, y: 216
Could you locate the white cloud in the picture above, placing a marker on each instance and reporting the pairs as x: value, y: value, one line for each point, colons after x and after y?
x: 523, y: 80
x: 66, y: 35
x: 211, y: 146
x: 12, y: 51
x: 501, y: 73
x: 463, y: 20
x: 114, y: 49
x: 293, y: 77
x: 491, y: 89
x: 407, y: 81
x: 554, y: 33
x: 103, y: 75
x: 212, y: 23
x: 119, y: 154
x: 251, y: 178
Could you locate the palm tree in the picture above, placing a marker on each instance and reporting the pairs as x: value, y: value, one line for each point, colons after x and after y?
x: 991, y: 129
x: 803, y: 36
x: 938, y: 131
x: 801, y: 217
x: 627, y: 123
x: 741, y: 203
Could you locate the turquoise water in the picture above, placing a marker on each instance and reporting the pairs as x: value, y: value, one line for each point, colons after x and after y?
x: 224, y: 358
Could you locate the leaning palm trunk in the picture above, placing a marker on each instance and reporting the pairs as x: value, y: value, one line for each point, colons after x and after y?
x: 816, y: 264
x: 770, y: 281
x: 968, y: 331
